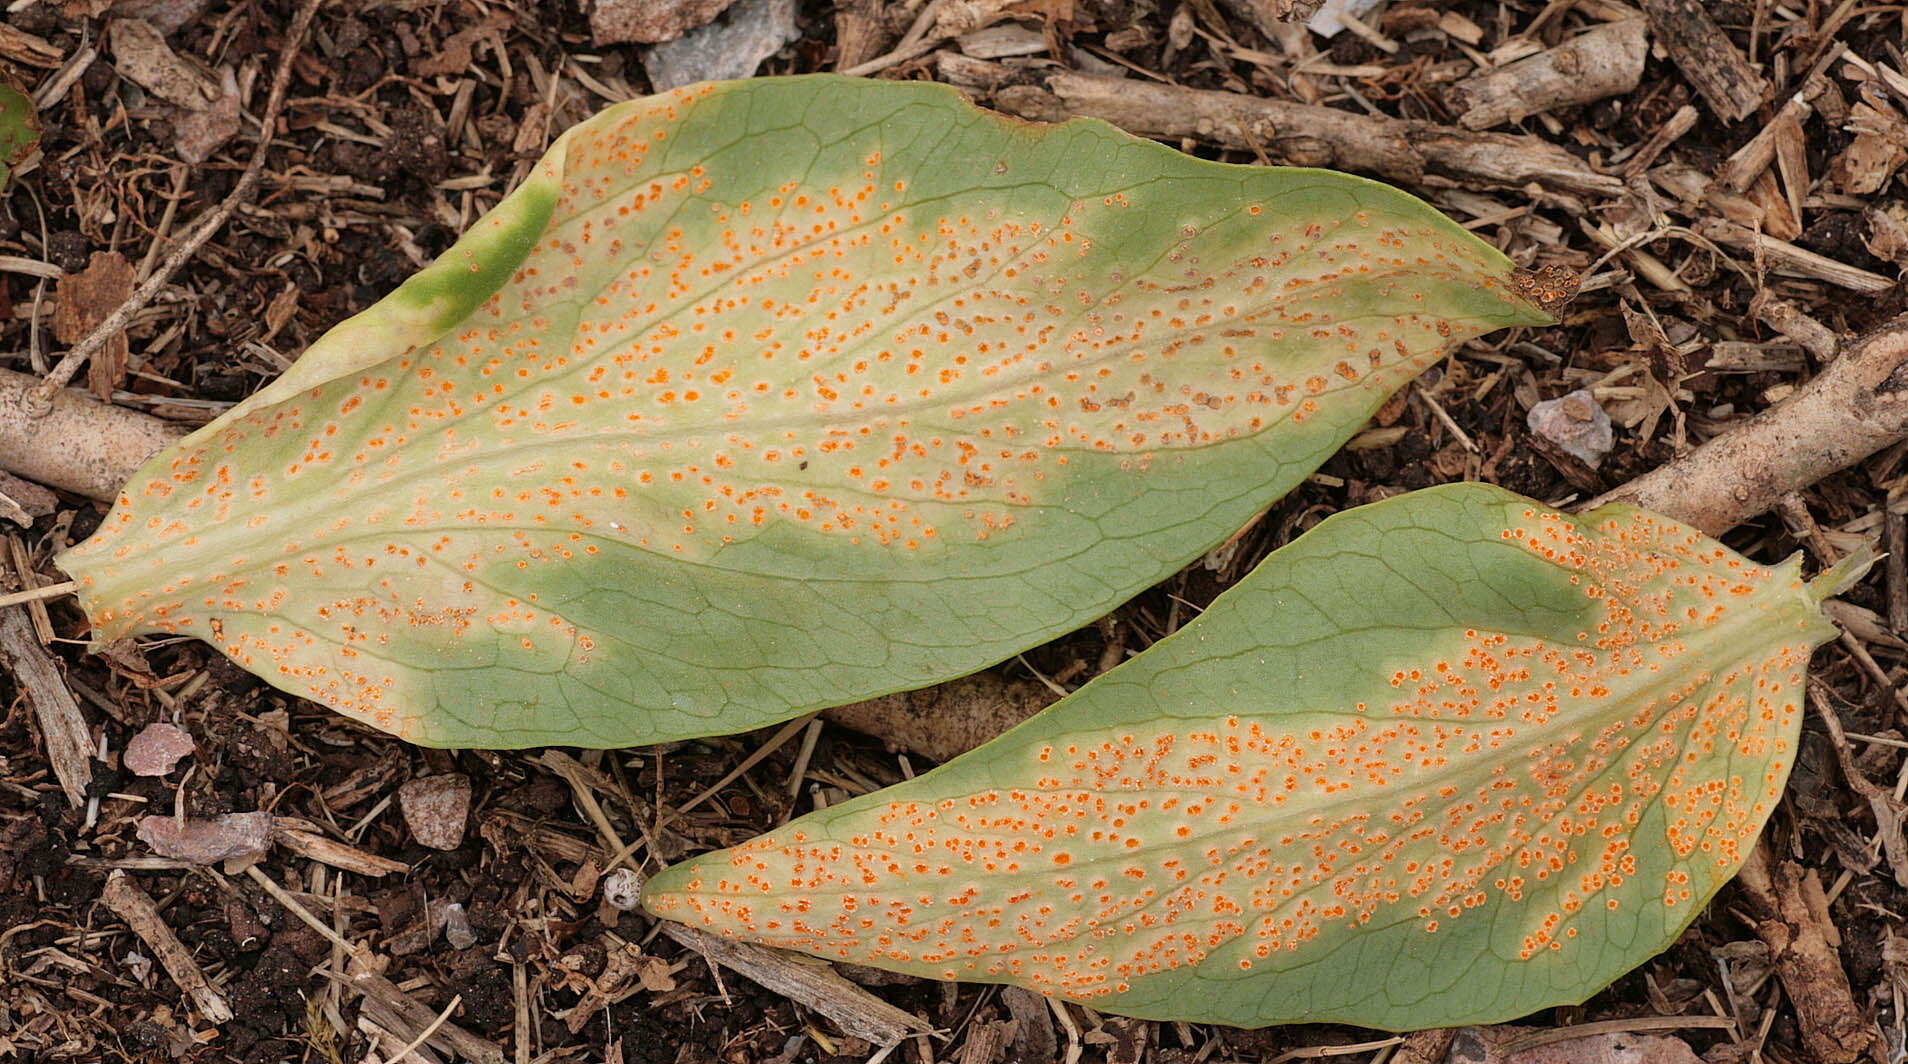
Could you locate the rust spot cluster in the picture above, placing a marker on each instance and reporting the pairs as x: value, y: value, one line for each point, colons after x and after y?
x: 1550, y: 775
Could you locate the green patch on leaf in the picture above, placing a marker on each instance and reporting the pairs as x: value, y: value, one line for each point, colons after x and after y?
x: 1446, y: 759
x: 765, y: 396
x: 19, y: 127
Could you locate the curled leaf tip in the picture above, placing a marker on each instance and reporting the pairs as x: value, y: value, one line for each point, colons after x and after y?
x: 1844, y: 574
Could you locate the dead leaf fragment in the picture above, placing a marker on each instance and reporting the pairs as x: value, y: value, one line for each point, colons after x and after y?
x: 455, y: 54
x: 649, y: 21
x: 436, y: 809
x: 1879, y: 149
x: 85, y: 299
x: 141, y: 54
x: 199, y: 133
x: 157, y: 749
x: 167, y: 16
x: 208, y: 104
x: 204, y: 840
x: 1887, y: 237
x: 655, y: 976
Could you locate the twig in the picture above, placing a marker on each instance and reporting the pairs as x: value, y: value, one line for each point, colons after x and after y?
x: 821, y: 988
x: 124, y: 897
x: 1400, y: 149
x: 40, y: 402
x: 1627, y: 1026
x: 393, y: 1003
x: 77, y: 443
x: 1855, y: 407
x: 1888, y: 812
x: 1791, y: 258
x: 1606, y: 61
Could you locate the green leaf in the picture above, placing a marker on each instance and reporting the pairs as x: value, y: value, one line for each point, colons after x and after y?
x: 1445, y: 759
x: 19, y: 127
x: 765, y: 396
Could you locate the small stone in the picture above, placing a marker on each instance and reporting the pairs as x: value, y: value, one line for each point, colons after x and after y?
x: 457, y: 932
x: 730, y: 48
x: 623, y: 889
x: 436, y: 809
x: 1576, y: 424
x: 157, y: 749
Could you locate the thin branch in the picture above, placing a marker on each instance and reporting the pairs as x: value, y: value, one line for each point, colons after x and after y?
x: 1853, y: 408
x: 41, y: 401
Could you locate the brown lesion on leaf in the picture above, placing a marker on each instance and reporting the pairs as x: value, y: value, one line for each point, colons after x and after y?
x: 1551, y: 288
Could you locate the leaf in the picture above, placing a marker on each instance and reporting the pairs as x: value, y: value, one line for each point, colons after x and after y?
x: 766, y: 396
x: 1445, y: 759
x: 19, y: 127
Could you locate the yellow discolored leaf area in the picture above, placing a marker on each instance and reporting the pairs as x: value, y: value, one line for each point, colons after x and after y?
x: 1449, y: 758
x: 766, y: 396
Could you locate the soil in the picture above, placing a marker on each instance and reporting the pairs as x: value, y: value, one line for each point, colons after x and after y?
x: 375, y: 168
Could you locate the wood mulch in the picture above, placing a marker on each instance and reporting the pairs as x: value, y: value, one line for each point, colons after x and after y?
x: 1724, y: 179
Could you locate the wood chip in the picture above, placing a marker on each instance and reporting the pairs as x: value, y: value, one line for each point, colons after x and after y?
x: 1748, y: 163
x: 69, y: 742
x: 1834, y: 1029
x: 26, y: 499
x: 1708, y: 60
x: 316, y: 847
x: 1791, y: 259
x: 1461, y: 28
x: 26, y: 49
x: 84, y: 300
x: 1879, y: 149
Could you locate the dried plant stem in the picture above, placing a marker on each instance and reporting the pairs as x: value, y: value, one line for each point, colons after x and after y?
x: 40, y: 402
x: 134, y: 906
x: 39, y: 594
